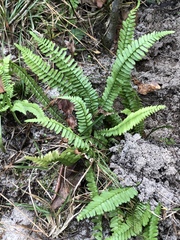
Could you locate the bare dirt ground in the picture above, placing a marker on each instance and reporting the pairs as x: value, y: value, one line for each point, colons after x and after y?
x: 154, y: 161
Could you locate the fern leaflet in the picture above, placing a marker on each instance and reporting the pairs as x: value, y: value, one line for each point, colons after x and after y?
x: 91, y: 183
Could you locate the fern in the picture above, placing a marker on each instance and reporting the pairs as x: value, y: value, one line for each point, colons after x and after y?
x: 67, y: 157
x: 126, y: 33
x: 128, y: 217
x: 73, y: 81
x: 5, y: 98
x: 91, y: 183
x: 131, y: 120
x: 66, y: 132
x: 82, y: 113
x: 151, y: 231
x: 129, y: 96
x: 122, y: 68
x: 24, y: 106
x: 125, y: 225
x: 92, y: 187
x: 97, y: 229
x: 6, y: 78
x: 106, y: 202
x: 35, y: 89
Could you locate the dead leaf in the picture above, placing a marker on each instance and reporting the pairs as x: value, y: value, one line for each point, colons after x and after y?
x: 66, y: 106
x: 70, y: 46
x: 145, y: 88
x: 71, y: 121
x: 77, y: 152
x: 100, y: 3
x: 93, y: 3
x: 100, y: 110
x: 67, y: 180
x: 2, y: 90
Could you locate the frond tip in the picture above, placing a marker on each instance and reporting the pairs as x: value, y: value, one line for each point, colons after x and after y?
x: 131, y: 121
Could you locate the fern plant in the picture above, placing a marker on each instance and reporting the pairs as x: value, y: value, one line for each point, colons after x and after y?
x: 92, y: 112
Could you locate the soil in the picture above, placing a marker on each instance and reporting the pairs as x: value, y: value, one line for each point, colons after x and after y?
x: 153, y: 162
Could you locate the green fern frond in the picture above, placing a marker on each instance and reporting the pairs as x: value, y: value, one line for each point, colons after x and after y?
x: 129, y: 96
x: 67, y: 157
x: 6, y: 77
x: 42, y: 69
x: 126, y: 33
x: 74, y: 82
x: 3, y: 107
x: 66, y: 132
x: 138, y: 217
x: 97, y: 229
x: 151, y: 231
x: 106, y: 202
x: 131, y: 121
x: 91, y: 183
x: 36, y: 90
x: 125, y: 225
x: 24, y: 106
x: 82, y: 114
x: 117, y: 224
x: 123, y: 65
x: 92, y: 187
x: 113, y: 118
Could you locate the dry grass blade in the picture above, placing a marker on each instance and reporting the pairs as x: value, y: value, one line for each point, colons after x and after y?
x: 37, y: 228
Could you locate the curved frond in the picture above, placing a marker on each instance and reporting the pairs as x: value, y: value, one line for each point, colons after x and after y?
x: 24, y: 106
x: 45, y: 160
x: 126, y: 33
x: 131, y: 121
x: 124, y: 64
x: 74, y: 82
x: 66, y: 132
x: 43, y: 70
x: 106, y: 202
x: 35, y: 89
x: 82, y: 114
x: 67, y: 157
